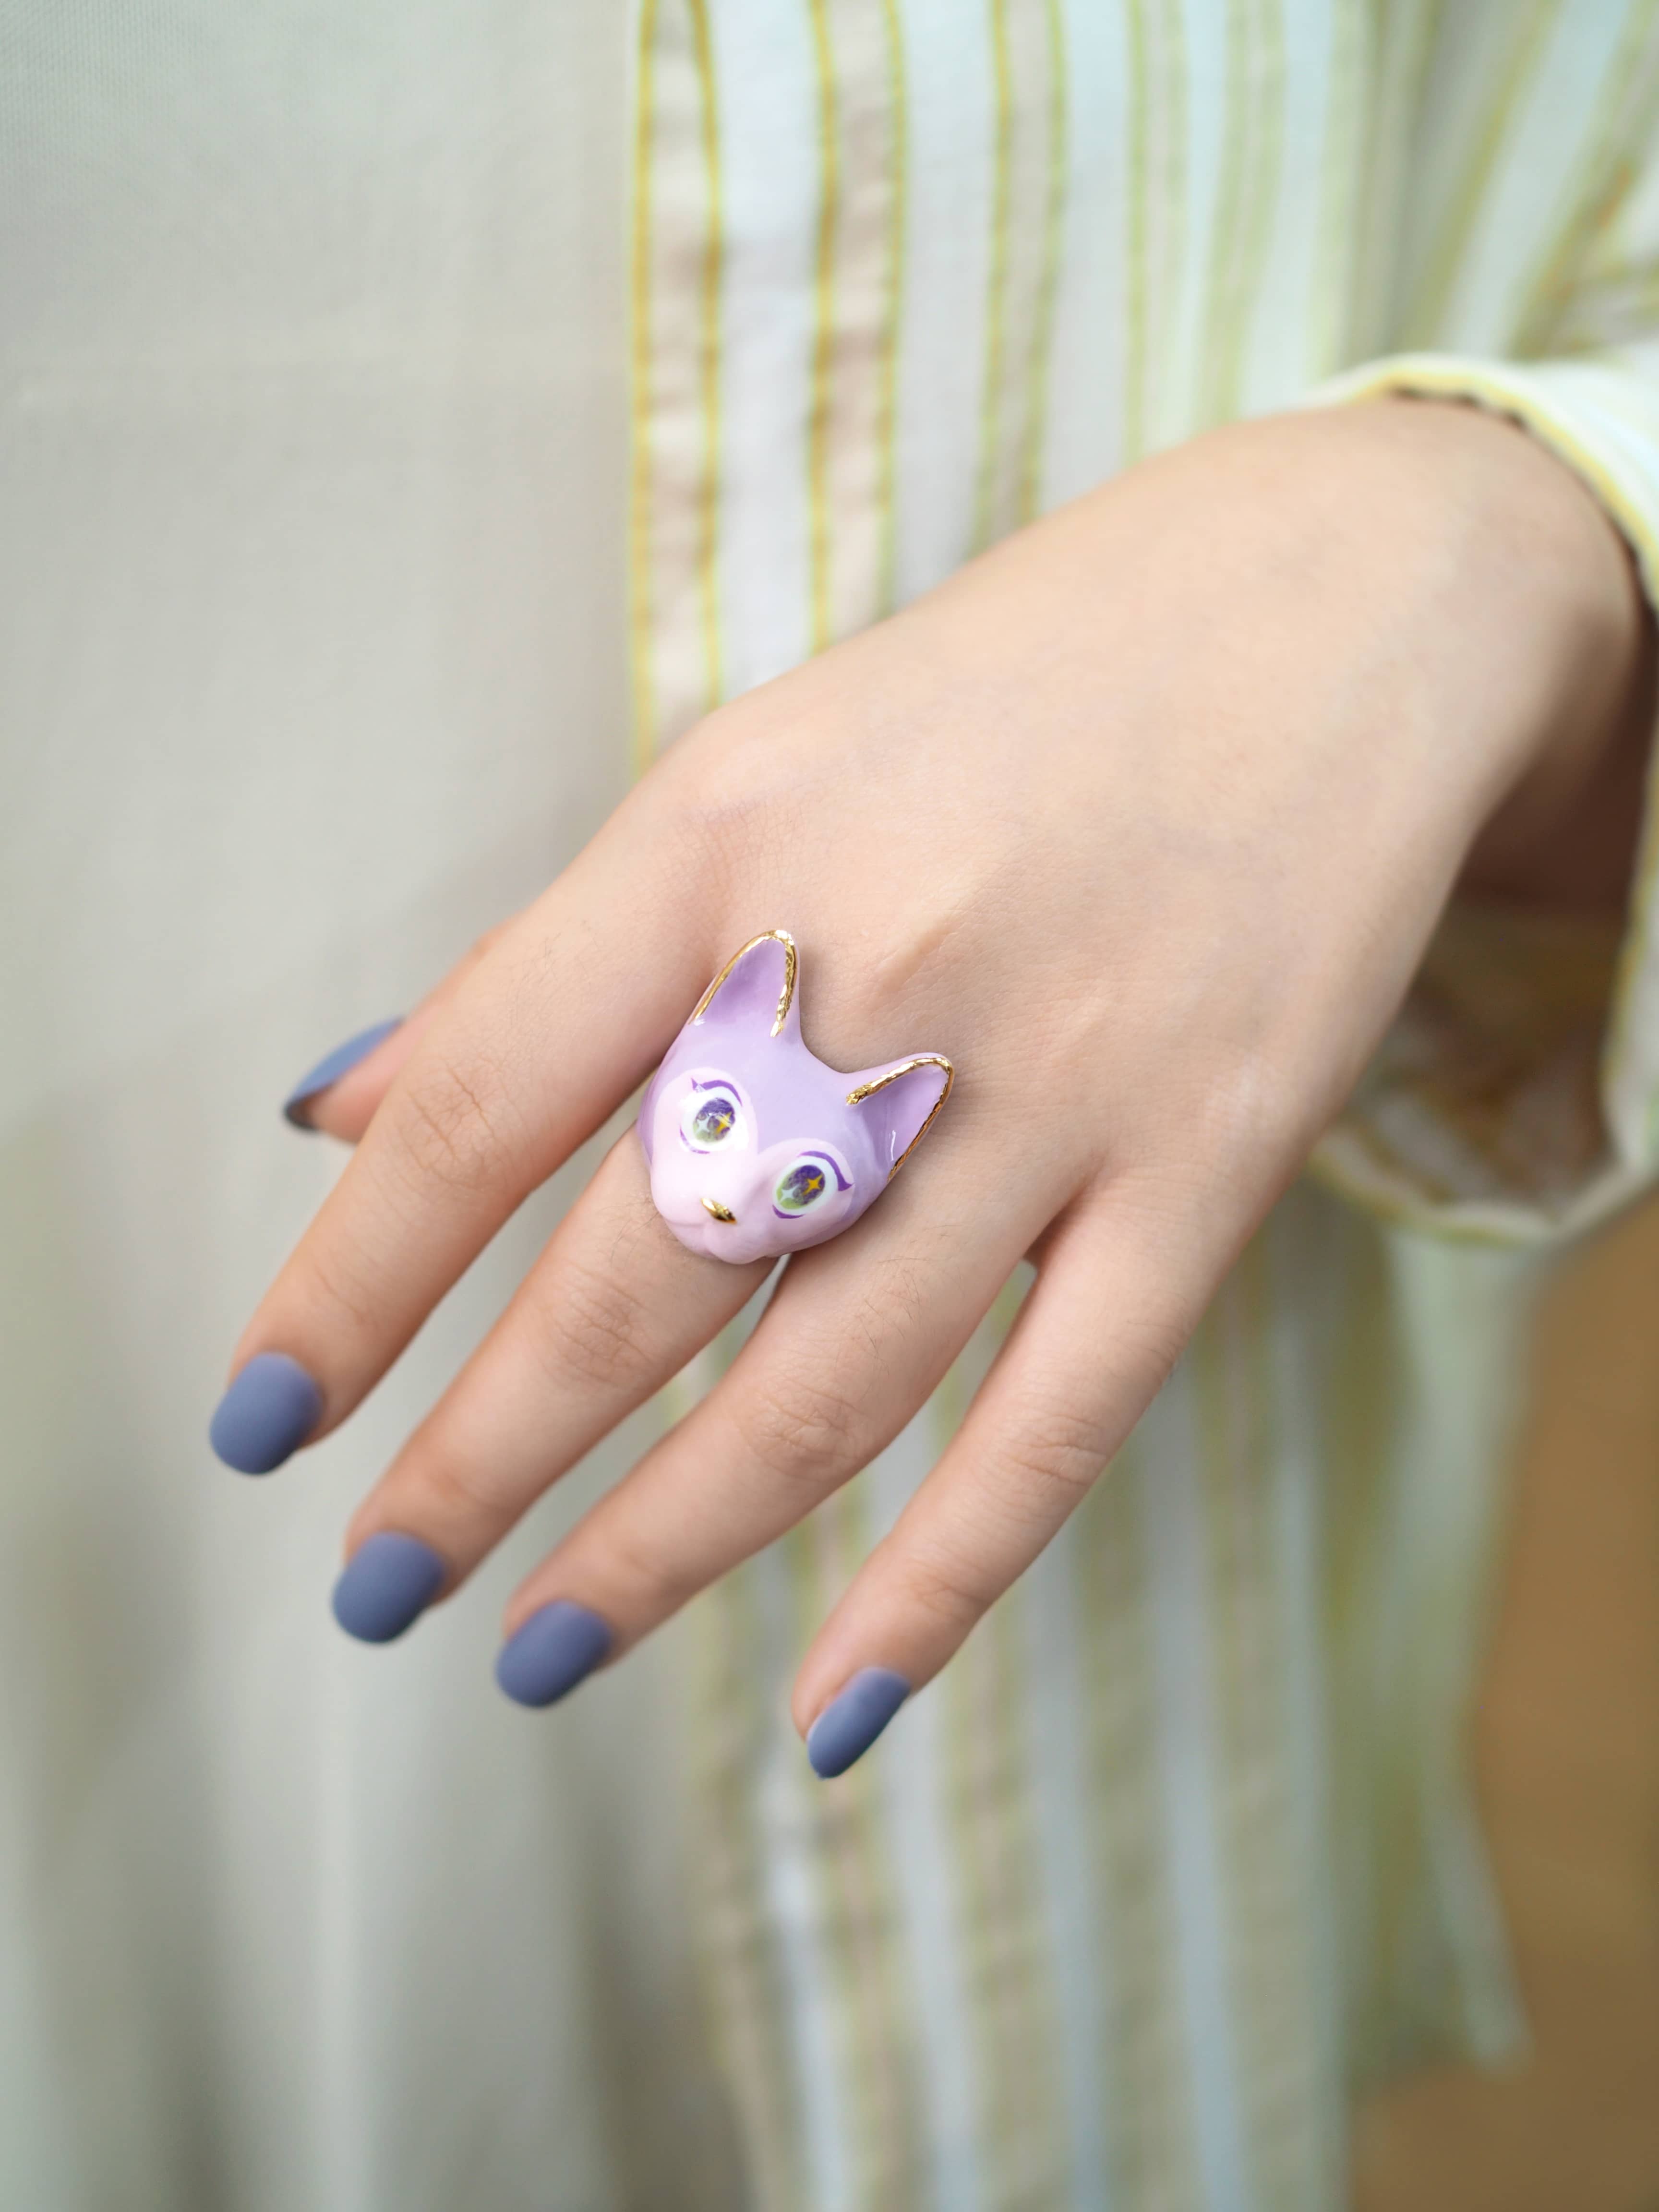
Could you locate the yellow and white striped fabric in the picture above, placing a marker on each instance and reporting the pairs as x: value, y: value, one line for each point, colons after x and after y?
x: 1180, y: 1849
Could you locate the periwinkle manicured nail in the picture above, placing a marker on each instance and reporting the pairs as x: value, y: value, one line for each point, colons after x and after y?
x: 329, y: 1070
x: 268, y: 1413
x: 388, y: 1582
x: 850, y: 1724
x: 555, y: 1650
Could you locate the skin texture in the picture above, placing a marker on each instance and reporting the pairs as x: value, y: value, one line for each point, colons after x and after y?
x: 1144, y: 819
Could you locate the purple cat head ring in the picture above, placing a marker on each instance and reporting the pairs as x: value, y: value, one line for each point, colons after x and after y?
x: 756, y: 1148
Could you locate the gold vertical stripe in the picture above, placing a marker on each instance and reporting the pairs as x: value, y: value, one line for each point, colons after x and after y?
x: 822, y: 1845
x: 892, y: 330
x: 1037, y: 2027
x: 824, y: 290
x: 1053, y: 221
x: 1615, y: 141
x: 888, y: 2145
x: 1270, y: 2028
x: 1299, y: 1256
x: 1135, y: 312
x: 1259, y: 232
x: 996, y: 282
x: 871, y: 2032
x: 1347, y: 252
x: 640, y: 486
x: 675, y: 375
x: 1242, y: 237
x: 874, y: 2032
x: 1147, y: 2091
x: 958, y: 1814
x: 874, y: 2036
x: 750, y: 2014
x: 1238, y: 123
x: 1355, y: 1415
x: 1027, y: 2042
x: 1002, y: 1922
x: 713, y: 255
x: 1177, y: 248
x: 963, y: 1820
x: 980, y: 1782
x: 1222, y: 1692
x: 1425, y: 319
x: 732, y: 1720
x: 1158, y: 227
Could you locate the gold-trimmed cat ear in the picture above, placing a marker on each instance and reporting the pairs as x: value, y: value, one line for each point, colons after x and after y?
x: 905, y: 1096
x: 767, y: 964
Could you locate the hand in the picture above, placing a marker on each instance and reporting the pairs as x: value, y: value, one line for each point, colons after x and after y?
x: 1144, y: 819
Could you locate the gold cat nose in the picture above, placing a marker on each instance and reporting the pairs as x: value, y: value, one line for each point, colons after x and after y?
x: 721, y: 1213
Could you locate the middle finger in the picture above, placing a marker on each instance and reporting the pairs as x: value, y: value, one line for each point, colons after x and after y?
x: 613, y: 1309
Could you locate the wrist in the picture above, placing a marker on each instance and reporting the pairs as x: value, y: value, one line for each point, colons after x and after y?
x: 1549, y: 595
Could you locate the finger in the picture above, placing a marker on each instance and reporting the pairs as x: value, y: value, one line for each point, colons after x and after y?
x: 1118, y: 1293
x: 558, y: 1021
x: 615, y: 1307
x: 339, y: 1094
x: 856, y: 1336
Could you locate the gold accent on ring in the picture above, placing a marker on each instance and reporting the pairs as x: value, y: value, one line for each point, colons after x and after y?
x: 785, y: 997
x: 721, y: 1213
x: 868, y: 1090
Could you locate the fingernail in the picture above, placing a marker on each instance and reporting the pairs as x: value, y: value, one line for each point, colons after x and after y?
x: 388, y: 1583
x: 267, y: 1412
x: 850, y: 1724
x: 555, y: 1648
x: 329, y: 1070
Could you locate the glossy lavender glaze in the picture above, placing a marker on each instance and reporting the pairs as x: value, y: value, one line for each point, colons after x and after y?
x: 755, y: 1147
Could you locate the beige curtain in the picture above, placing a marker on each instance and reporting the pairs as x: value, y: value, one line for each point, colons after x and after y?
x: 311, y: 470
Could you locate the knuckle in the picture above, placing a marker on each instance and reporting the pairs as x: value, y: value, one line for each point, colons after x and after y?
x: 456, y: 1124
x: 942, y: 1587
x: 599, y: 1331
x: 638, y: 1564
x: 336, y: 1285
x: 462, y: 1488
x: 1056, y: 1453
x: 802, y: 1429
x: 890, y: 1305
x: 731, y: 790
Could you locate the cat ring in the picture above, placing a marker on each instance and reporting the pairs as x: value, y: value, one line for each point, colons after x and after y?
x: 755, y: 1147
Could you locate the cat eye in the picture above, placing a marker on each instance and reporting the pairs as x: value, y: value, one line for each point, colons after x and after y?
x: 709, y: 1118
x: 801, y: 1187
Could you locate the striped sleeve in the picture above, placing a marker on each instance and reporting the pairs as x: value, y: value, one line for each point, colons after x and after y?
x: 1516, y: 1098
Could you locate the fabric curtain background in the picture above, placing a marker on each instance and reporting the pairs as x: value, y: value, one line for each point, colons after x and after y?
x: 312, y: 429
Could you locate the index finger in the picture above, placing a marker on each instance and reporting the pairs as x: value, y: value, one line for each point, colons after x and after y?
x: 564, y: 1017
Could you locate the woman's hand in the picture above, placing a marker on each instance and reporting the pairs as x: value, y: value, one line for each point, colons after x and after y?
x: 1144, y: 819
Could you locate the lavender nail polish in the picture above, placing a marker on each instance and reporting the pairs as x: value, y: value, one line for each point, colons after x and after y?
x: 268, y: 1413
x: 850, y: 1724
x: 329, y: 1070
x: 387, y: 1583
x: 555, y: 1648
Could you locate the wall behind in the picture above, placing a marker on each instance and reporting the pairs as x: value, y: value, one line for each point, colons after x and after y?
x: 312, y: 474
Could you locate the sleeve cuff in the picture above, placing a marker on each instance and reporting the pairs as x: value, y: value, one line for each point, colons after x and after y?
x: 1516, y: 1099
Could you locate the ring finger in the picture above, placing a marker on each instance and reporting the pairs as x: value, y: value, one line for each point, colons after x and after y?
x: 856, y: 1339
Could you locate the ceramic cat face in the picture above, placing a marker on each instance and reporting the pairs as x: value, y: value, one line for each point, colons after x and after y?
x: 756, y: 1148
